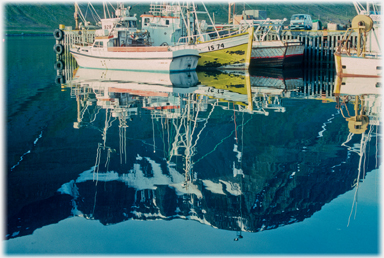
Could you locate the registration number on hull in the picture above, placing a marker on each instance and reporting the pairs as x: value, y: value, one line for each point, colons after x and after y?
x: 215, y: 47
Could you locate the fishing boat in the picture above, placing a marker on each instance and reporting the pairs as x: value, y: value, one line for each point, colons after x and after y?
x: 225, y: 49
x: 361, y: 56
x: 245, y: 91
x: 121, y: 92
x: 277, y: 53
x: 119, y: 45
x: 273, y: 53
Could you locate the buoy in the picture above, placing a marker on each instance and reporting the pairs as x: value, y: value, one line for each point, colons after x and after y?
x: 58, y: 34
x: 59, y: 65
x: 58, y: 48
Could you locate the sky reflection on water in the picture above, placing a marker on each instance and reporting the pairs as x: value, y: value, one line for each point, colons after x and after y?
x: 280, y: 169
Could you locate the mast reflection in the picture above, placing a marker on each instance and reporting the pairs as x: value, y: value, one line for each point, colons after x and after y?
x: 215, y: 147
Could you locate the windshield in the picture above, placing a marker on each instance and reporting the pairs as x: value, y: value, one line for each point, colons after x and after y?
x: 297, y: 17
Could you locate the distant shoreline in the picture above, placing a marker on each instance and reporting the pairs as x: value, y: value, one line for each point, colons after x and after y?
x: 28, y: 34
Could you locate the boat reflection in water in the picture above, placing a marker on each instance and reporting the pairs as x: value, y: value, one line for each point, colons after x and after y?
x: 365, y: 95
x: 209, y: 147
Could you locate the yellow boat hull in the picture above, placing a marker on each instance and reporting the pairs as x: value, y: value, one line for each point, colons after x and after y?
x: 233, y: 52
x: 224, y: 81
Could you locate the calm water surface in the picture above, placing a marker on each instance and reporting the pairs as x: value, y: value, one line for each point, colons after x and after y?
x: 266, y: 162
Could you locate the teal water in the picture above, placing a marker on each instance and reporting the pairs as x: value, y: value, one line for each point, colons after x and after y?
x: 125, y: 163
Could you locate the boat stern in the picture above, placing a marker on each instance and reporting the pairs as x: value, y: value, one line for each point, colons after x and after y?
x: 184, y: 59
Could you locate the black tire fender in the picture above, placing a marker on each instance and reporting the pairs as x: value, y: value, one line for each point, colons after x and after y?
x: 59, y: 79
x: 59, y: 65
x: 58, y: 34
x: 58, y: 48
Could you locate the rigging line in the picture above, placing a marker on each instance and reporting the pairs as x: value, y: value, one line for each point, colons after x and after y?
x: 220, y: 143
x: 358, y: 181
x: 94, y: 203
x: 197, y: 21
x: 376, y: 163
x: 376, y: 147
x: 178, y: 128
x: 108, y: 159
x: 104, y: 134
x: 242, y: 142
x: 95, y: 13
x: 174, y: 142
x: 163, y: 135
x: 195, y: 121
x: 184, y: 19
x: 346, y: 107
x: 125, y: 144
x: 95, y: 115
x: 350, y: 135
x: 193, y: 131
x: 110, y: 122
x: 97, y: 164
x: 120, y: 145
x: 206, y: 122
x: 365, y: 149
x: 354, y: 198
x: 234, y: 119
x: 85, y: 109
x: 168, y: 145
x: 153, y: 135
x: 86, y: 11
x: 206, y: 11
x: 81, y: 14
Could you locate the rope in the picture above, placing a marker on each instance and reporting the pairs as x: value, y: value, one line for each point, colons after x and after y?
x: 221, y: 142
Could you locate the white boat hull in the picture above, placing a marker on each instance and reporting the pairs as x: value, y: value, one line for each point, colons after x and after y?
x: 166, y: 61
x: 357, y: 85
x: 352, y: 66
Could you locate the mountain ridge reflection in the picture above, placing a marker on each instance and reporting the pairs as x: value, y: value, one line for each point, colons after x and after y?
x: 207, y: 147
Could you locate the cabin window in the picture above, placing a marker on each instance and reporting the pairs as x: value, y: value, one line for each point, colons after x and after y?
x: 146, y: 20
x: 132, y: 24
x: 98, y: 44
x: 166, y: 22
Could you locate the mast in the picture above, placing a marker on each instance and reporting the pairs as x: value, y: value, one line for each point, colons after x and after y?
x: 188, y: 24
x: 76, y: 16
x: 105, y: 14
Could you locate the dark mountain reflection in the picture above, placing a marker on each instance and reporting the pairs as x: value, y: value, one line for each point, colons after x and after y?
x: 216, y: 147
